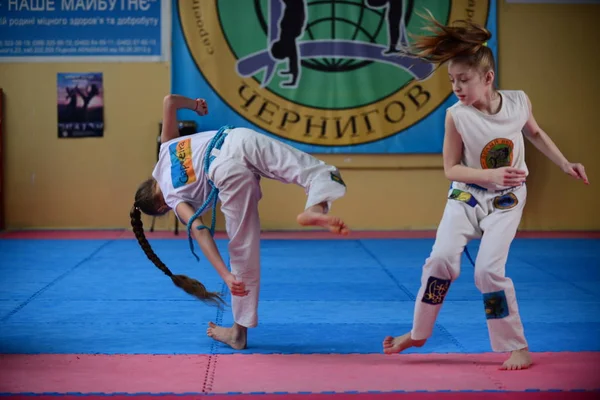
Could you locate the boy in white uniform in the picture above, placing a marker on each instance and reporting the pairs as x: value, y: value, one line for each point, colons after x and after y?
x: 484, y: 156
x: 194, y: 171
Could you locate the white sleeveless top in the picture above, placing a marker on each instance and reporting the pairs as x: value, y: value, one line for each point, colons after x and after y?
x: 493, y: 141
x: 180, y: 170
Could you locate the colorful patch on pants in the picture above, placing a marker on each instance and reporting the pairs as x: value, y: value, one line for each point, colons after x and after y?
x: 435, y: 290
x: 463, y: 196
x: 506, y: 201
x: 495, y: 305
x: 337, y: 179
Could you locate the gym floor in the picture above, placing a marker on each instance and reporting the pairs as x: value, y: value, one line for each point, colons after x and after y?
x: 85, y: 313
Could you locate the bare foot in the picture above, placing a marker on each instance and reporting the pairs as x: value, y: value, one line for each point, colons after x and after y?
x: 400, y: 343
x: 333, y: 224
x: 235, y: 337
x: 519, y: 359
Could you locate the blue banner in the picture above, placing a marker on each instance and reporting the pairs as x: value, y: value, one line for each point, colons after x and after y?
x: 84, y: 30
x: 323, y: 76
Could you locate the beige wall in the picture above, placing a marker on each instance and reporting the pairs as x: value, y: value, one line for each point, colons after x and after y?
x: 550, y: 51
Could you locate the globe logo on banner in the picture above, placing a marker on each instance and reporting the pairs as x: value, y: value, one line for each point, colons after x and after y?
x: 321, y: 72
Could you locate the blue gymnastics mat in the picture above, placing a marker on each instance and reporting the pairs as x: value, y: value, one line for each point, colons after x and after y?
x: 317, y: 296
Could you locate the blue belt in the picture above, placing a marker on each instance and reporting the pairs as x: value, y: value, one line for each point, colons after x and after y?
x: 474, y: 186
x: 220, y: 139
x: 215, y: 143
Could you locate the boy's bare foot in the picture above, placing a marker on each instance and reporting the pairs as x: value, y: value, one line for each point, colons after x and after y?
x: 519, y: 359
x: 400, y: 343
x: 236, y: 337
x: 313, y: 218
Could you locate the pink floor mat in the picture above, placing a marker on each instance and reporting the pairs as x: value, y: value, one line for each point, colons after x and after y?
x: 273, y: 373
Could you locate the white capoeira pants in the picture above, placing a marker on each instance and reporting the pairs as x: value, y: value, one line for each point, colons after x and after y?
x: 472, y: 213
x: 246, y: 156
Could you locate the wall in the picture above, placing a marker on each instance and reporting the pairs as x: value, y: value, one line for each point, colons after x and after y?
x: 77, y: 183
x: 557, y: 66
x: 546, y: 50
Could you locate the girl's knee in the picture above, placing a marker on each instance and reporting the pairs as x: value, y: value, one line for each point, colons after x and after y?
x: 496, y: 290
x: 488, y: 280
x: 438, y: 273
x: 443, y: 266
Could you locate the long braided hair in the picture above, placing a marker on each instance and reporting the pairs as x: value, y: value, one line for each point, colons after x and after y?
x: 145, y: 201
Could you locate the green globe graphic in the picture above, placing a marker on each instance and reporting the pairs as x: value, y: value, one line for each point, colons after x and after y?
x: 328, y: 82
x: 345, y: 20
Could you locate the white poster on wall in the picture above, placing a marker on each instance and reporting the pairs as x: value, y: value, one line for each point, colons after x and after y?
x: 90, y: 31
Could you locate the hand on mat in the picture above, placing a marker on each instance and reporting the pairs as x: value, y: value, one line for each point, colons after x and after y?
x: 237, y: 288
x: 577, y: 171
x: 507, y: 176
x: 201, y: 107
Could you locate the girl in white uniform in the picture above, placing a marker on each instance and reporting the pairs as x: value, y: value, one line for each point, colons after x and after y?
x: 194, y: 171
x: 484, y: 157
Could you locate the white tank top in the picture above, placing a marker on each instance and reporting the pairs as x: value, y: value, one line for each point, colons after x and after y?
x: 493, y: 141
x: 180, y: 170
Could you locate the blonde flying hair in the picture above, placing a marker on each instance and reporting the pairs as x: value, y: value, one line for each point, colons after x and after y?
x: 462, y: 41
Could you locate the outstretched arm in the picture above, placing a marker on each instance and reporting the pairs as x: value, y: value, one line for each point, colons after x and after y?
x: 172, y: 103
x: 209, y: 249
x: 543, y: 143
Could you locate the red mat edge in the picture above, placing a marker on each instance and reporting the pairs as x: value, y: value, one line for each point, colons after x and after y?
x: 497, y: 395
x: 295, y: 235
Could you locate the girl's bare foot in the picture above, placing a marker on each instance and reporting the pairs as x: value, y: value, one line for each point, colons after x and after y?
x: 400, y: 343
x: 313, y: 218
x: 519, y: 359
x: 236, y: 337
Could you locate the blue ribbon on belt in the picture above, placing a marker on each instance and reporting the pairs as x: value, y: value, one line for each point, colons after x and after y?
x: 215, y: 143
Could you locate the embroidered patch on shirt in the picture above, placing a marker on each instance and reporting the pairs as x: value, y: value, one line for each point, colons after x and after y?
x: 435, y: 290
x: 495, y: 305
x: 463, y: 196
x: 497, y: 153
x: 506, y: 201
x: 182, y: 168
